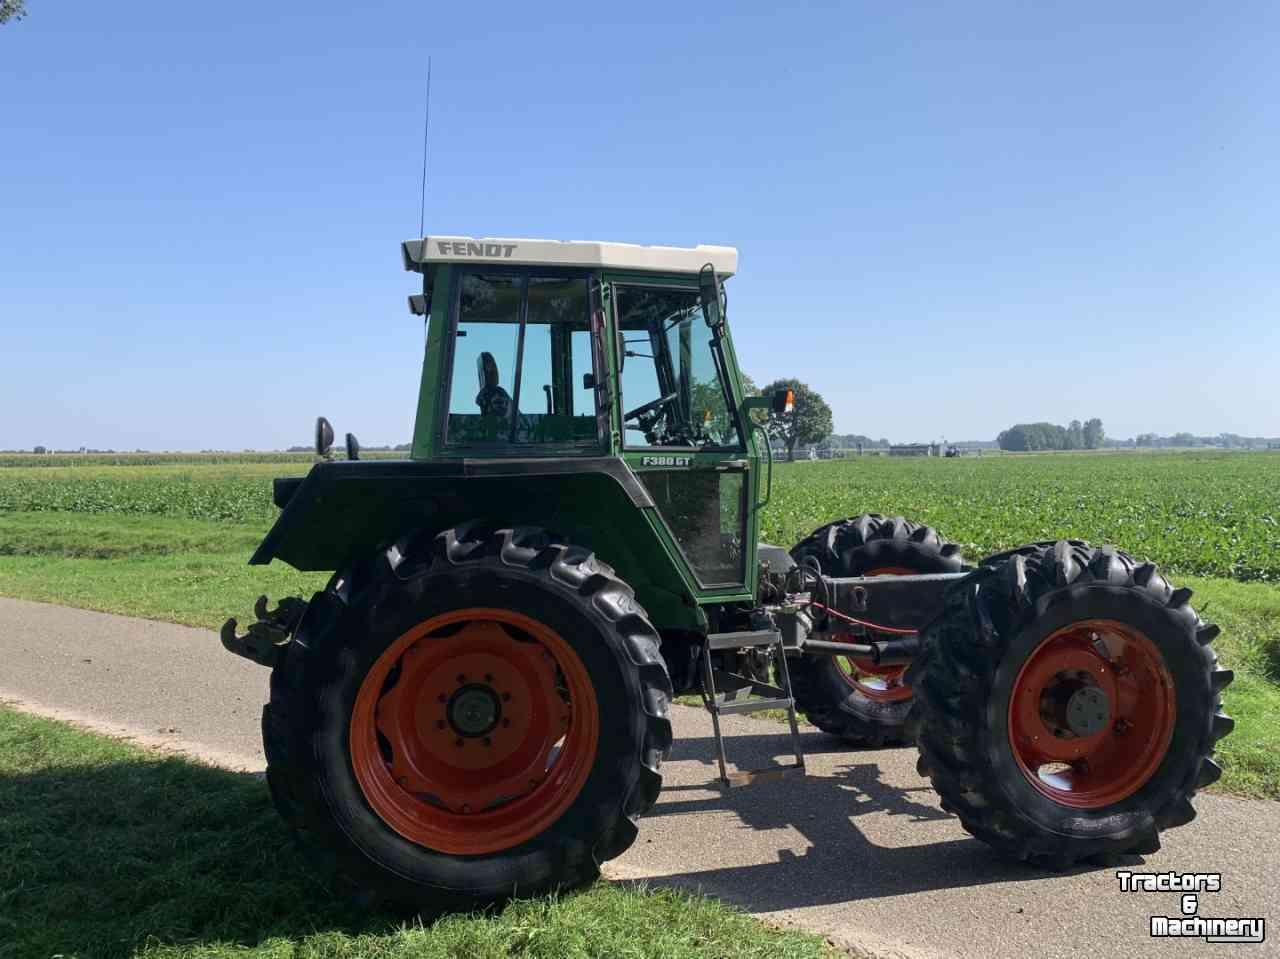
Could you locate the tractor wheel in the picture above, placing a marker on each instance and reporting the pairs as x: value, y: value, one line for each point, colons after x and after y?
x: 466, y: 717
x: 853, y: 698
x: 1069, y: 704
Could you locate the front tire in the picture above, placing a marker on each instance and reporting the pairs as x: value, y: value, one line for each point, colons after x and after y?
x: 466, y: 717
x: 855, y: 699
x: 1069, y: 704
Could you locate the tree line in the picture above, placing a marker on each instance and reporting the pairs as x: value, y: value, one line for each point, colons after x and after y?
x: 1026, y: 437
x: 1228, y: 441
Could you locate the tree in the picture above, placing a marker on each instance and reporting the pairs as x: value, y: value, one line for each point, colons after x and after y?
x: 1028, y: 437
x: 1075, y: 436
x: 809, y: 423
x: 12, y: 10
x: 1094, y: 434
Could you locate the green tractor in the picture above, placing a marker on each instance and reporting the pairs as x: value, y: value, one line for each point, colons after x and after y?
x: 477, y: 704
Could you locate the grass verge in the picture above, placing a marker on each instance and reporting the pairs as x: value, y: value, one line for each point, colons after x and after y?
x: 111, y: 850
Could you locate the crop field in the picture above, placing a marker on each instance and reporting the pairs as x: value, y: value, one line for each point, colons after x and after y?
x: 1210, y: 514
x: 170, y: 539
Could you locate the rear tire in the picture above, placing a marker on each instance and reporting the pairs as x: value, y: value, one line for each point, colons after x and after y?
x: 875, y: 711
x: 339, y: 742
x: 1040, y: 632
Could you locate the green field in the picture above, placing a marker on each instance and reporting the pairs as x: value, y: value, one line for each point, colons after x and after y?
x: 111, y: 850
x: 1211, y: 514
x: 170, y: 540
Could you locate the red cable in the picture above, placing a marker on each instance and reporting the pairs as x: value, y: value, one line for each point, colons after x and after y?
x: 862, y: 622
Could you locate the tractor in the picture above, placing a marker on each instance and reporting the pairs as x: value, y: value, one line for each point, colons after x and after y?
x: 477, y: 705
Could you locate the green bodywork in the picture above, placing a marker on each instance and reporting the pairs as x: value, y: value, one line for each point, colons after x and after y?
x: 632, y: 507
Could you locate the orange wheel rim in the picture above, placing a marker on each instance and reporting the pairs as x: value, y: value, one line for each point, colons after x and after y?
x: 1091, y: 713
x: 474, y: 731
x: 880, y: 683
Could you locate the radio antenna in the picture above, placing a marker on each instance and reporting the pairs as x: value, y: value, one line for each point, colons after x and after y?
x: 426, y: 129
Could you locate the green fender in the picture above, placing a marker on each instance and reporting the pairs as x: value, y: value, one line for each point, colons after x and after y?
x: 343, y: 510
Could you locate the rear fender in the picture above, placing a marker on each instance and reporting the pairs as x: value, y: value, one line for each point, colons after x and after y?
x: 344, y: 510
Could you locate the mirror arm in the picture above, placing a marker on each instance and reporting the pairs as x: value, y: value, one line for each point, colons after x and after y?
x: 768, y: 449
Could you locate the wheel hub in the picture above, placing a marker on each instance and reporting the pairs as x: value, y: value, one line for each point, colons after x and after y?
x: 1088, y: 711
x: 474, y: 710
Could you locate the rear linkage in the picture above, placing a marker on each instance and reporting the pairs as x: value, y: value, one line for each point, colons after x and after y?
x: 269, y: 635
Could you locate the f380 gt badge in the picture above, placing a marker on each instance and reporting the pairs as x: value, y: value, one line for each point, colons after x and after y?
x: 665, y: 460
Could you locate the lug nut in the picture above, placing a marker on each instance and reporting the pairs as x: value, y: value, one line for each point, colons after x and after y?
x: 440, y: 724
x: 462, y: 677
x: 506, y: 697
x: 488, y: 741
x: 458, y: 741
x: 488, y: 677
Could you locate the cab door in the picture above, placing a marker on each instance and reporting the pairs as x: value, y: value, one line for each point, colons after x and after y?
x: 680, y: 430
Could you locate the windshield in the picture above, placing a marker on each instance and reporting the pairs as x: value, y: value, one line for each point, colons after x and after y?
x: 673, y: 393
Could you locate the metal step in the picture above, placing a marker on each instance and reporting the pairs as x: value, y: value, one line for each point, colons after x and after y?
x: 766, y: 696
x: 744, y: 638
x: 754, y: 705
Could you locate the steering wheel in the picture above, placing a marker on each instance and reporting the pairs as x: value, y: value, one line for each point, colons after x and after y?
x: 649, y: 407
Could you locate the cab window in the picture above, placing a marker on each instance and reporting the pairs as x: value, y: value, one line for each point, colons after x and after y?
x: 673, y: 391
x: 520, y: 350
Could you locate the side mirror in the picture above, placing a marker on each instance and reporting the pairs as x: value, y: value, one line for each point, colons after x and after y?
x: 710, y: 290
x: 324, y: 437
x: 588, y: 381
x: 782, y: 401
x: 353, y: 447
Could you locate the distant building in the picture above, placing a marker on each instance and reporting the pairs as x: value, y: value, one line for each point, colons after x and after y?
x: 914, y: 449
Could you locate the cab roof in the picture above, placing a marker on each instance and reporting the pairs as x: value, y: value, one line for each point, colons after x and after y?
x: 418, y: 255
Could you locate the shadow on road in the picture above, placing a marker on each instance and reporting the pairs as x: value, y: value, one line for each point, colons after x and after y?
x: 836, y: 808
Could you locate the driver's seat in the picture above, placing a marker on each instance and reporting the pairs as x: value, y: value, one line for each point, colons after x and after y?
x: 492, y: 399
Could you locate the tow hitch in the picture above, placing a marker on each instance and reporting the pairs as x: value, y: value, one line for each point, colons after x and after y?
x: 270, y: 634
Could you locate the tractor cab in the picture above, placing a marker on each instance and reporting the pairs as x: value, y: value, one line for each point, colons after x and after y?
x: 579, y: 352
x: 547, y: 348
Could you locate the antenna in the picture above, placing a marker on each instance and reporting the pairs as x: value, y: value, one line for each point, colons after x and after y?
x: 426, y: 128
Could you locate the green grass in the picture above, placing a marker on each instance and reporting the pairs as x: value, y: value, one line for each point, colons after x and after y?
x: 166, y: 568
x: 110, y: 850
x: 1249, y: 614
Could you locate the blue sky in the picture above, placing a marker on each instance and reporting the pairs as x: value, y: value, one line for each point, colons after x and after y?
x: 951, y: 217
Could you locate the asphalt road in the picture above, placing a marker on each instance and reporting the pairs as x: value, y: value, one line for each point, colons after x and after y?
x: 858, y: 850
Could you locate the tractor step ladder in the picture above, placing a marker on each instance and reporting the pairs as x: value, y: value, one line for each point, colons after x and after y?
x: 722, y: 700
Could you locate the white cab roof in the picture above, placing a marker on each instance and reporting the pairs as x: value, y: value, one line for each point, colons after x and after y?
x: 418, y: 254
